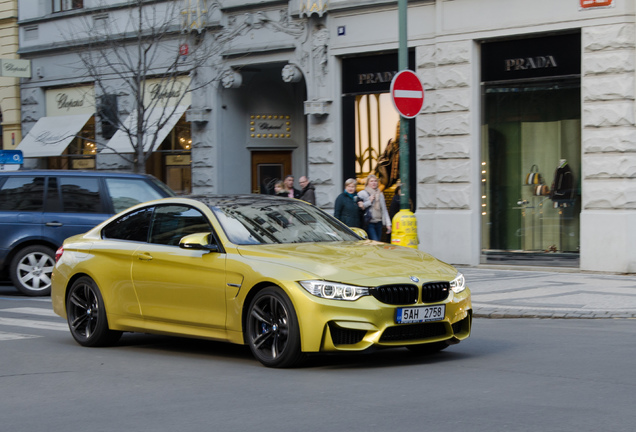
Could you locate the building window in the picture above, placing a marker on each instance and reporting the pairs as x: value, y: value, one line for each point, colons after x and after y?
x: 64, y: 5
x: 30, y: 33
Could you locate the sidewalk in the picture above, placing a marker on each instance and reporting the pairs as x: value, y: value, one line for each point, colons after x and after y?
x: 506, y: 292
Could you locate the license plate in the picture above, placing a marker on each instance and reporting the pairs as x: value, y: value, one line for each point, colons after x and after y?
x: 420, y: 314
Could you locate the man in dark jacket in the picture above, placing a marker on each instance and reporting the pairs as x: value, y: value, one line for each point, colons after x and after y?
x: 308, y: 193
x: 292, y: 192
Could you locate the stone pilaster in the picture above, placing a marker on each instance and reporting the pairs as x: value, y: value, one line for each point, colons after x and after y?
x: 443, y: 128
x: 608, y: 148
x: 609, y: 133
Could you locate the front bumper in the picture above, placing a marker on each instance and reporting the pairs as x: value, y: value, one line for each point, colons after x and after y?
x: 366, y: 323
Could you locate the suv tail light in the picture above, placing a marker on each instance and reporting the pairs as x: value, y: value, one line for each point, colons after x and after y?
x: 58, y: 253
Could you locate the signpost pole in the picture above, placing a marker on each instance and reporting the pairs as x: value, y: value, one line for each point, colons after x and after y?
x: 403, y: 64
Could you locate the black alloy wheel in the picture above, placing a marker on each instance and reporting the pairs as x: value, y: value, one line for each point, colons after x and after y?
x: 31, y: 270
x: 86, y: 315
x: 272, y: 329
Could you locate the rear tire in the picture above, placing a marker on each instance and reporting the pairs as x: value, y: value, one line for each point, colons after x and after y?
x: 272, y: 329
x: 31, y: 270
x: 86, y: 315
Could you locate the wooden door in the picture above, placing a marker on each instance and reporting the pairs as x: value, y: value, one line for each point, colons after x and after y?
x: 267, y: 168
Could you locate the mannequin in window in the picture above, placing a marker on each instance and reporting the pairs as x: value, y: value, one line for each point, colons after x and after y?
x: 563, y: 187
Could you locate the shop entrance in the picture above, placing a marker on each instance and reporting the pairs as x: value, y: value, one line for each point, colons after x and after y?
x: 269, y: 167
x: 370, y: 123
x: 531, y: 160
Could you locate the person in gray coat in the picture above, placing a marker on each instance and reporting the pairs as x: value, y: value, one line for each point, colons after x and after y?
x: 308, y: 192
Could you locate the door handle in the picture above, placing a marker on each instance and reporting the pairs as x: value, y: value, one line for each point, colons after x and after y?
x: 54, y: 224
x: 144, y: 256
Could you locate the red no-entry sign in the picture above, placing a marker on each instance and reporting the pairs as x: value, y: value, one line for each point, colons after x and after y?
x: 407, y: 93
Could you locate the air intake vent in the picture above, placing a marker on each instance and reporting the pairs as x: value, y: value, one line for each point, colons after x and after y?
x: 341, y: 336
x: 413, y: 332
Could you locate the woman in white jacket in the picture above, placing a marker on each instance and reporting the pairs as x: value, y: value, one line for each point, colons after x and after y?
x: 373, y: 199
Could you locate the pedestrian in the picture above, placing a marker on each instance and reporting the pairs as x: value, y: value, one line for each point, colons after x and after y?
x: 348, y: 206
x: 308, y: 191
x: 279, y: 189
x: 394, y: 208
x: 375, y: 205
x: 292, y: 192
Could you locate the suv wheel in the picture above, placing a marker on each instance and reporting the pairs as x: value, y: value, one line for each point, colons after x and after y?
x: 31, y: 270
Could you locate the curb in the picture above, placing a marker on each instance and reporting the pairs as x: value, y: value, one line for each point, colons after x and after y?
x: 505, y: 313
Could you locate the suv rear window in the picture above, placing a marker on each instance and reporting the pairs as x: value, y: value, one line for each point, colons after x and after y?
x: 126, y: 193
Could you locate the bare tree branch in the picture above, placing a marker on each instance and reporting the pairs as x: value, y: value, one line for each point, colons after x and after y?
x: 136, y: 57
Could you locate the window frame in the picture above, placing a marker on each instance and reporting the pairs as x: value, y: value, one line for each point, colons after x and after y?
x: 66, y: 5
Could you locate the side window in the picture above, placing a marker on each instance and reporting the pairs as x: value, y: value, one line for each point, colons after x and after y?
x: 172, y: 222
x: 52, y: 204
x: 126, y: 193
x: 22, y: 194
x: 81, y: 195
x: 132, y: 226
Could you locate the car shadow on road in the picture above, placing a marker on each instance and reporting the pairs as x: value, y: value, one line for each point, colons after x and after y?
x: 223, y: 351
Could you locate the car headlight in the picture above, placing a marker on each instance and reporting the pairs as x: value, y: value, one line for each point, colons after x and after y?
x: 334, y: 290
x: 458, y: 284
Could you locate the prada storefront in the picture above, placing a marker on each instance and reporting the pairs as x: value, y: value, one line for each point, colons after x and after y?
x: 371, y: 122
x: 531, y: 150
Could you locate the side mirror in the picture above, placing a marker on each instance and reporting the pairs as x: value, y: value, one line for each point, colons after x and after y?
x: 360, y: 232
x: 198, y: 241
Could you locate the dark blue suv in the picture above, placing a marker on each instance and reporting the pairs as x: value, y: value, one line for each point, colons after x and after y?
x: 39, y: 209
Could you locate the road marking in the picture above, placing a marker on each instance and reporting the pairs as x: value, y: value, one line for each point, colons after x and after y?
x: 31, y: 311
x: 44, y: 325
x: 15, y: 336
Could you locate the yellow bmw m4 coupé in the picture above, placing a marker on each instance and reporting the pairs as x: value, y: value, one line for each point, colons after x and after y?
x: 277, y: 274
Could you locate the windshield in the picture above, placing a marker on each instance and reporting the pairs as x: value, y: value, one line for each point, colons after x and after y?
x: 279, y: 222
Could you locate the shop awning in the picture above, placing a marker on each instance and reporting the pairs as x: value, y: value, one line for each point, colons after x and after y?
x: 120, y: 142
x: 51, y: 135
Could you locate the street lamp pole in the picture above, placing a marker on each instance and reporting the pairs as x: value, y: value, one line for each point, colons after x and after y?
x: 403, y: 64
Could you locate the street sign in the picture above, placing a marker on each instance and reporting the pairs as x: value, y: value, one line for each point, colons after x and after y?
x: 407, y: 93
x: 11, y: 157
x: 589, y: 4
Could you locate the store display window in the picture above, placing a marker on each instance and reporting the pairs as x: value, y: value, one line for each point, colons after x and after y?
x: 531, y: 169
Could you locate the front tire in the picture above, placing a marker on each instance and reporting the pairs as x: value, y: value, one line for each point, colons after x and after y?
x: 272, y: 329
x: 86, y: 315
x: 31, y: 270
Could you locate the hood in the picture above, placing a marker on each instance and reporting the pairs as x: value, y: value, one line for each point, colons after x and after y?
x: 357, y: 262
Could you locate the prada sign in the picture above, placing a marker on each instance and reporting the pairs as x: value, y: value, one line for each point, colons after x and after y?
x: 370, y: 74
x: 538, y: 62
x: 543, y: 57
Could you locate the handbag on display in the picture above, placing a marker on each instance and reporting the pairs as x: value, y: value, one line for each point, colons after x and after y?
x: 533, y: 177
x: 541, y: 190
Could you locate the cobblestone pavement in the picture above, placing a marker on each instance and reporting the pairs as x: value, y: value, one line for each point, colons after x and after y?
x: 561, y: 293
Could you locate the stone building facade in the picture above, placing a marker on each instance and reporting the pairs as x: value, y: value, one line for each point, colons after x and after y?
x: 512, y: 88
x: 9, y: 86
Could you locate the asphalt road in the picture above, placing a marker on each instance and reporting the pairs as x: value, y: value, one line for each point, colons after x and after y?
x: 511, y: 375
